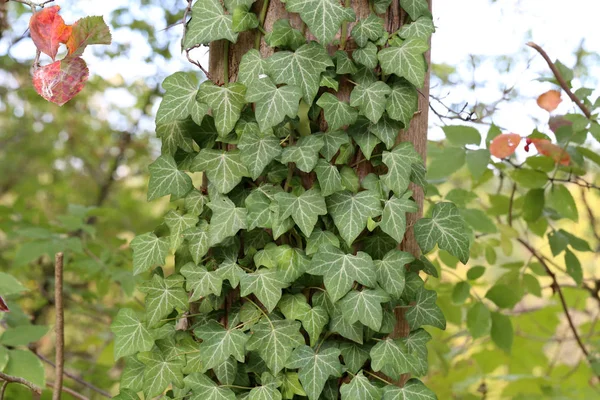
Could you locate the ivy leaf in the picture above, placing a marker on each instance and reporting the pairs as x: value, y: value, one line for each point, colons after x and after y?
x: 320, y: 238
x: 393, y: 218
x: 366, y: 56
x: 227, y: 371
x: 351, y: 211
x: 131, y: 335
x: 243, y: 20
x: 304, y: 209
x: 260, y: 212
x: 265, y: 392
x: 176, y: 134
x: 390, y: 271
x: 366, y: 141
x: 219, y: 343
x: 387, y: 130
x: 414, y: 389
x: 198, y: 241
x: 323, y: 17
x: 266, y: 285
x: 314, y: 369
x: 415, y: 8
x: 329, y: 177
x: 360, y: 389
x: 126, y: 394
x: 85, y: 32
x: 226, y: 221
x: 163, y: 295
x: 177, y: 224
x: 400, y: 162
x: 166, y: 179
x: 291, y: 386
x: 206, y: 389
x: 391, y: 357
x: 226, y: 103
x: 200, y: 281
x: 337, y: 113
x: 305, y: 153
x: 275, y: 341
x: 273, y: 103
x: 258, y: 149
x: 344, y: 64
x: 402, y: 102
x: 314, y: 321
x: 162, y: 369
x: 416, y: 343
x: 340, y: 325
x: 208, y: 24
x: 48, y: 30
x: 364, y: 306
x: 148, y: 251
x: 370, y: 28
x: 231, y: 271
x: 370, y: 99
x: 293, y: 306
x: 301, y: 68
x: 354, y: 355
x: 180, y: 95
x: 340, y: 270
x: 251, y: 67
x: 282, y: 35
x: 132, y: 376
x: 446, y: 228
x: 224, y: 169
x: 421, y: 28
x: 425, y: 311
x: 406, y: 60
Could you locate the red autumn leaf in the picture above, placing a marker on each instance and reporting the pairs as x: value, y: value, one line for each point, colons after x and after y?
x: 86, y: 31
x: 548, y: 149
x: 3, y: 306
x: 60, y: 81
x: 549, y: 100
x: 504, y: 145
x: 48, y: 30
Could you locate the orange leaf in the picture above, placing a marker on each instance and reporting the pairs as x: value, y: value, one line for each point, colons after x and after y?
x: 48, y: 30
x: 504, y: 145
x: 60, y: 81
x: 548, y: 149
x: 86, y: 31
x: 549, y: 100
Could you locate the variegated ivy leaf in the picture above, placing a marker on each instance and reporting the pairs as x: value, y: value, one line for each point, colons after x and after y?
x: 400, y: 163
x: 366, y: 56
x: 314, y: 369
x: 390, y: 272
x: 425, y: 311
x: 180, y: 95
x: 415, y: 8
x: 360, y: 389
x: 209, y: 23
x: 177, y: 224
x: 294, y: 306
x: 166, y: 179
x: 163, y: 295
x: 292, y: 262
x: 148, y: 251
x: 219, y: 343
x: 162, y: 369
x: 393, y: 218
x: 282, y: 35
x: 402, y: 102
x: 447, y: 228
x: 344, y: 64
x: 305, y: 153
x: 275, y: 341
x: 257, y: 149
x: 243, y: 20
x: 224, y: 169
x: 422, y: 28
x: 370, y: 28
x: 200, y: 281
x: 416, y: 343
x: 226, y: 220
x: 406, y: 60
x: 266, y: 285
x: 329, y: 178
x: 304, y: 209
x: 273, y: 103
x: 392, y: 357
x: 320, y: 238
x: 226, y: 103
x: 323, y: 17
x: 314, y: 322
x: 231, y: 271
x: 251, y: 67
x: 131, y: 335
x: 301, y: 68
x: 175, y: 135
x: 204, y: 388
x: 370, y: 99
x: 350, y: 212
x: 337, y: 113
x: 364, y: 306
x: 354, y: 355
x: 333, y: 141
x: 414, y: 389
x: 198, y: 241
x: 340, y: 270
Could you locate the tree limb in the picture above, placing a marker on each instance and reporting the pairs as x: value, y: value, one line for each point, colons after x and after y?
x: 60, y: 324
x: 66, y: 390
x: 15, y: 379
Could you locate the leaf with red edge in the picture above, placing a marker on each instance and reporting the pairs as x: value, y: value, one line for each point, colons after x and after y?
x: 48, y: 30
x: 3, y: 306
x: 60, y: 81
x: 86, y: 31
x: 549, y: 149
x: 504, y: 145
x: 549, y: 100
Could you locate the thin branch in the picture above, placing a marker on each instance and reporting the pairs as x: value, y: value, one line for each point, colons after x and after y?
x: 591, y: 215
x: 510, y: 204
x: 577, y: 181
x: 60, y: 324
x: 3, y: 389
x: 16, y: 379
x: 197, y: 63
x: 561, y: 81
x: 66, y: 390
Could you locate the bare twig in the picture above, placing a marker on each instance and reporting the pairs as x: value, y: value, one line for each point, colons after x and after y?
x: 3, y: 389
x: 510, y: 204
x: 197, y: 63
x: 561, y: 81
x: 60, y: 324
x: 15, y: 379
x: 591, y: 215
x: 67, y: 391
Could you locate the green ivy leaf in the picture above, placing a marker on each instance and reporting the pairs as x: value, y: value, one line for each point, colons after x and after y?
x: 351, y: 211
x: 314, y: 322
x: 314, y: 369
x: 224, y: 169
x: 226, y: 221
x: 198, y: 241
x: 200, y: 281
x: 132, y: 376
x: 265, y: 392
x: 340, y: 325
x: 337, y: 113
x: 166, y: 179
x: 257, y: 149
x: 405, y: 61
x: 414, y: 389
x: 340, y: 270
x: 251, y: 67
x: 329, y: 178
x: 401, y: 163
x: 273, y: 103
x: 209, y: 23
x: 131, y: 335
x: 304, y: 209
x: 231, y: 271
x: 370, y: 28
x: 162, y: 369
x: 393, y: 218
x: 243, y: 20
x: 416, y: 343
x: 148, y: 251
x: 323, y: 17
x: 305, y: 153
x: 402, y: 102
x: 390, y: 271
x: 415, y: 8
x: 126, y: 394
x: 354, y: 355
x: 226, y: 103
x: 366, y: 56
x: 180, y: 96
x: 446, y: 228
x: 275, y: 341
x: 370, y: 99
x: 163, y: 295
x: 320, y: 238
x: 218, y: 344
x: 360, y: 388
x: 425, y: 311
x: 177, y: 224
x: 364, y: 306
x: 282, y: 35
x: 391, y: 357
x: 293, y: 306
x: 291, y: 386
x: 344, y: 64
x: 206, y: 389
x: 266, y: 285
x: 421, y: 28
x: 333, y: 141
x: 176, y: 135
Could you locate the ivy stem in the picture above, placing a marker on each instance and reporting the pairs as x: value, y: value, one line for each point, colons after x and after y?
x: 377, y: 377
x: 261, y: 311
x: 226, y: 62
x: 237, y: 387
x: 344, y: 34
x: 261, y: 23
